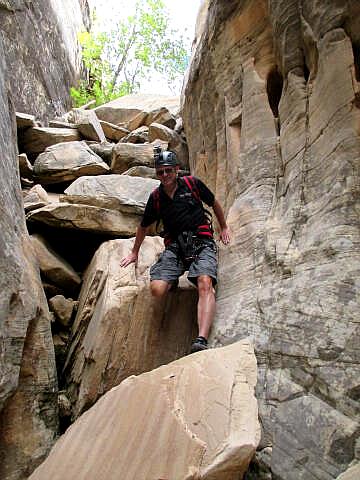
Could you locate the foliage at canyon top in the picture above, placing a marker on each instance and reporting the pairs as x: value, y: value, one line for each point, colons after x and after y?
x: 119, y: 60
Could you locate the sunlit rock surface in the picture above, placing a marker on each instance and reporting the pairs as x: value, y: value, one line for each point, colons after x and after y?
x: 195, y: 418
x: 125, y: 109
x: 66, y: 161
x: 122, y: 192
x: 271, y: 114
x: 120, y: 330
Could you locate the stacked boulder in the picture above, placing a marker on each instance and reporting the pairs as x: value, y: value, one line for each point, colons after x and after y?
x: 86, y: 178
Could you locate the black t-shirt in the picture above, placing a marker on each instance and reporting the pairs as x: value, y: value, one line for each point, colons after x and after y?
x: 181, y: 213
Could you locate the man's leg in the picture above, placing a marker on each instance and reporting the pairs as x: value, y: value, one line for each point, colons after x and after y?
x: 159, y: 288
x: 206, y: 305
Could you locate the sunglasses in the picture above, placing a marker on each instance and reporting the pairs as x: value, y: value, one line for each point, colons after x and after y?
x: 161, y: 171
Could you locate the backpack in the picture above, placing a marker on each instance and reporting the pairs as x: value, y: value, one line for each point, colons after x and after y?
x: 204, y: 230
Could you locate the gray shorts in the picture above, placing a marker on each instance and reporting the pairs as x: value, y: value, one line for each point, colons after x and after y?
x: 170, y: 267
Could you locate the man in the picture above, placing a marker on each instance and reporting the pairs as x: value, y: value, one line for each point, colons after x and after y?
x: 189, y: 243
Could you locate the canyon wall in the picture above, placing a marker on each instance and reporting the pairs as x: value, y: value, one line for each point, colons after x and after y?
x: 28, y: 385
x: 39, y: 60
x: 42, y: 52
x: 271, y: 114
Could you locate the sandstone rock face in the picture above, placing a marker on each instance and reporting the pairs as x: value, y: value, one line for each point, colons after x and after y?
x: 202, y: 405
x: 120, y: 330
x: 28, y: 383
x: 120, y: 191
x: 42, y: 52
x: 66, y: 161
x: 271, y: 113
x: 126, y: 108
x: 127, y: 155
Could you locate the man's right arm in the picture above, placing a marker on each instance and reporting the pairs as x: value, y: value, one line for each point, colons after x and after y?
x: 133, y: 256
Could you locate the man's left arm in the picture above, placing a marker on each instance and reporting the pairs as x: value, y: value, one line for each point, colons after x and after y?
x: 224, y: 229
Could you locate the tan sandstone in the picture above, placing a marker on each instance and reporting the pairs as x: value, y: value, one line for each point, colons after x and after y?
x: 120, y: 329
x: 195, y: 418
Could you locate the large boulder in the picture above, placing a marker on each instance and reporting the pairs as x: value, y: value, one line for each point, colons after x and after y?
x: 195, y: 418
x: 86, y: 218
x: 127, y: 193
x: 35, y: 198
x: 127, y: 155
x: 28, y: 382
x: 126, y: 108
x: 87, y: 124
x: 141, y: 171
x: 139, y: 135
x: 35, y: 140
x: 67, y: 161
x: 113, y: 132
x: 120, y: 329
x: 271, y: 114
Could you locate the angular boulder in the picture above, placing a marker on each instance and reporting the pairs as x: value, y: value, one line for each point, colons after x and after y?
x: 113, y: 132
x: 195, y: 418
x: 127, y: 155
x: 120, y: 329
x: 87, y: 124
x: 86, y: 218
x: 119, y: 191
x: 53, y: 267
x: 141, y: 171
x: 35, y: 140
x: 126, y: 108
x: 25, y: 120
x: 35, y: 198
x: 139, y: 135
x: 161, y: 116
x: 104, y: 150
x: 62, y: 308
x: 25, y: 167
x: 67, y: 161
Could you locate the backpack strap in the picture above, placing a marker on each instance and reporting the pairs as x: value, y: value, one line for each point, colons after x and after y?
x: 207, y: 229
x: 156, y: 199
x: 191, y: 184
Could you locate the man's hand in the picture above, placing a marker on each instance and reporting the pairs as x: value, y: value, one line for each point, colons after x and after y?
x: 225, y: 235
x: 131, y: 258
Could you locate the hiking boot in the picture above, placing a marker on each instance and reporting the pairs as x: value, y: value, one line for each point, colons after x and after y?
x: 199, y: 344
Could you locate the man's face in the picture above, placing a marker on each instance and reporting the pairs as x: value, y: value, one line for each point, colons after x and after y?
x: 166, y: 174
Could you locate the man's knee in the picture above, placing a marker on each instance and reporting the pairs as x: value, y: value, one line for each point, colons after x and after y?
x: 205, y: 285
x: 159, y: 288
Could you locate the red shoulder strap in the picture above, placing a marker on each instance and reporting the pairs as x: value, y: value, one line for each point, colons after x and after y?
x: 191, y: 184
x: 156, y: 199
